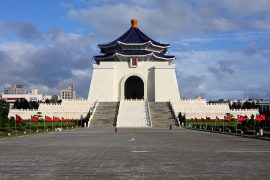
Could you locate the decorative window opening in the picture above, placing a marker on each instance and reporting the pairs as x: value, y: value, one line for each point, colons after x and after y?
x: 134, y: 62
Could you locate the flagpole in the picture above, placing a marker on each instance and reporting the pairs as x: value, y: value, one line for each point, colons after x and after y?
x: 236, y: 125
x: 15, y: 127
x: 206, y: 124
x: 30, y: 126
x: 223, y: 125
x: 254, y: 126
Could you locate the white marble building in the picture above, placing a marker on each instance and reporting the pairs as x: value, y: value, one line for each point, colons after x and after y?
x: 134, y: 70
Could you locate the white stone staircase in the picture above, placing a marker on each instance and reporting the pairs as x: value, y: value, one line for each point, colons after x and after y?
x: 132, y: 113
x: 105, y: 114
x: 161, y: 114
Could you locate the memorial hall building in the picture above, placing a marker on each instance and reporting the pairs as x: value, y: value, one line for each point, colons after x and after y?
x: 134, y: 84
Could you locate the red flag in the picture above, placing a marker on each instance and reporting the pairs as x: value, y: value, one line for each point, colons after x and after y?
x: 56, y: 119
x: 19, y: 119
x: 217, y: 119
x: 34, y: 119
x: 227, y: 118
x: 260, y: 117
x: 48, y: 119
x: 241, y: 118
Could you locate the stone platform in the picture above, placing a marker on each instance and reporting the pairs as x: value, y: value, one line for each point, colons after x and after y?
x: 133, y: 154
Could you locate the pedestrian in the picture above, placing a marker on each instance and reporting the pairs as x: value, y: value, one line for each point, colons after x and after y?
x: 170, y: 127
x: 115, y: 129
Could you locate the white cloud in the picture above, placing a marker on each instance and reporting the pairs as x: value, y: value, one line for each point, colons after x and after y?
x: 173, y: 20
x: 221, y: 73
x: 80, y: 73
x: 62, y: 57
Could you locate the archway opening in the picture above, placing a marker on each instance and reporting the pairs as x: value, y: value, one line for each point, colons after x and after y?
x: 134, y: 88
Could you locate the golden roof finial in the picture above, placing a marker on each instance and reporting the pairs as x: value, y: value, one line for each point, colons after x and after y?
x: 134, y: 23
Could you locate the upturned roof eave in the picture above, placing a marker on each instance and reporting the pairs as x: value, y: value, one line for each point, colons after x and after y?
x: 134, y: 44
x: 130, y: 55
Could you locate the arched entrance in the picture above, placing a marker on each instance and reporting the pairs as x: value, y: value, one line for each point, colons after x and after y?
x: 134, y: 88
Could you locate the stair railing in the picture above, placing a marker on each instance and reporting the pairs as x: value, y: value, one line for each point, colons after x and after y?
x: 117, y: 114
x: 95, y: 104
x: 174, y: 114
x: 148, y: 114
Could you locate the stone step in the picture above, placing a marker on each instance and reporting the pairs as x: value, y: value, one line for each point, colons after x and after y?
x: 105, y: 114
x: 161, y: 115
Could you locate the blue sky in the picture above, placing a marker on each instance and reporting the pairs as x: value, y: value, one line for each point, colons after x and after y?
x: 222, y: 48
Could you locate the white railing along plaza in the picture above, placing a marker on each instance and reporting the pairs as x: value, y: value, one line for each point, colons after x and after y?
x: 93, y: 108
x: 148, y: 113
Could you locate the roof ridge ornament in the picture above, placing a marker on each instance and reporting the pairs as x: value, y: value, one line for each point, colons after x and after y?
x: 134, y: 23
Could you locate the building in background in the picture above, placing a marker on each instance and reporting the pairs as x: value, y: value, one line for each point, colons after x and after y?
x: 68, y: 93
x: 262, y: 104
x: 15, y: 89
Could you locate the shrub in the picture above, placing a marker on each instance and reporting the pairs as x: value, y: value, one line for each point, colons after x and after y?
x: 7, y: 129
x: 244, y: 128
x: 21, y: 128
x: 34, y: 128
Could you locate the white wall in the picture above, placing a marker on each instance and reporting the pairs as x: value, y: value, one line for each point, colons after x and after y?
x: 194, y: 108
x: 69, y: 109
x: 109, y: 77
x: 102, y: 83
x: 166, y: 87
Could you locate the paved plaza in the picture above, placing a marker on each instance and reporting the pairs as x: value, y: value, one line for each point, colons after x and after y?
x: 134, y: 154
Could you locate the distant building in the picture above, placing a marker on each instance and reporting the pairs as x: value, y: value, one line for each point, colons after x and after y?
x: 263, y: 104
x: 14, y: 92
x: 54, y: 99
x: 35, y: 91
x: 68, y: 93
x: 15, y: 89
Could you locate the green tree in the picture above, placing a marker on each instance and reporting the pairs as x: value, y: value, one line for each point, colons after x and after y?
x: 251, y: 121
x: 48, y: 101
x: 4, y: 110
x: 33, y: 105
x: 21, y: 104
